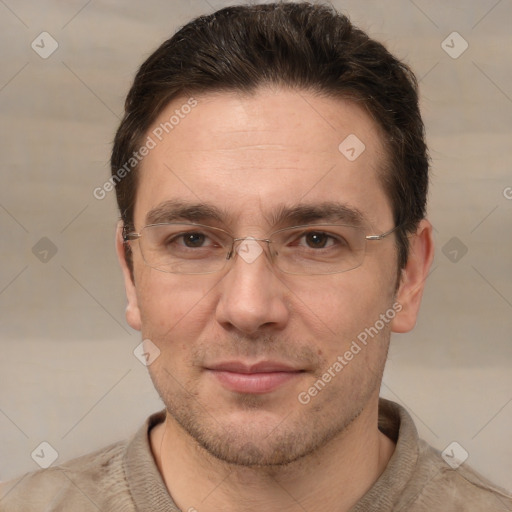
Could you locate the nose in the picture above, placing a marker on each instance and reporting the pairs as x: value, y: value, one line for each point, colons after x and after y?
x: 252, y: 296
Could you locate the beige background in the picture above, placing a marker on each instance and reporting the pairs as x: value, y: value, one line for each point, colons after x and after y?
x: 68, y: 375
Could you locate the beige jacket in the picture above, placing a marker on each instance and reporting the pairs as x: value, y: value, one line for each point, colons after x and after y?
x: 124, y: 478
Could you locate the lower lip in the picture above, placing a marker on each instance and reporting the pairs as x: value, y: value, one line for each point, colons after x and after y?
x: 253, y: 382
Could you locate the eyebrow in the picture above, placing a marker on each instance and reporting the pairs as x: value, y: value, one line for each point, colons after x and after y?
x: 175, y: 210
x: 330, y: 211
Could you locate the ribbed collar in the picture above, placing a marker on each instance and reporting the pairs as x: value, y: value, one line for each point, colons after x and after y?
x: 146, y: 484
x: 397, y: 424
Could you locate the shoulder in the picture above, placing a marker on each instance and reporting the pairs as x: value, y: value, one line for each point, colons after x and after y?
x: 436, y: 485
x: 419, y: 479
x: 91, y: 482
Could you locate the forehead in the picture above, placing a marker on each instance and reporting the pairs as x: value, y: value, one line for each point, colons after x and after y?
x: 253, y: 154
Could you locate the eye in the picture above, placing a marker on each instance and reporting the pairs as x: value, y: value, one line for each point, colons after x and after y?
x: 182, y: 239
x: 187, y: 240
x: 317, y: 239
x: 195, y: 239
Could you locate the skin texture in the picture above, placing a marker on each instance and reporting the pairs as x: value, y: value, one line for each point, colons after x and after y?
x: 221, y: 450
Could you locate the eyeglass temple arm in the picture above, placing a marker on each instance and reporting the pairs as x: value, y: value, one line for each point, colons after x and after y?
x: 382, y: 235
x: 127, y: 235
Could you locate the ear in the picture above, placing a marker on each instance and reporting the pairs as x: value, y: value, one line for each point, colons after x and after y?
x: 414, y: 275
x: 132, y: 309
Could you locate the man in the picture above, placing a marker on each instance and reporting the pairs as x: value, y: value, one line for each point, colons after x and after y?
x: 271, y: 174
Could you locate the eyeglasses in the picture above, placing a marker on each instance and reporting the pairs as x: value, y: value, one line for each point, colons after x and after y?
x: 313, y: 249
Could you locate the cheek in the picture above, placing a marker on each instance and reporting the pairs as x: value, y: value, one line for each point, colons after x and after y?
x: 337, y: 313
x: 172, y: 307
x: 337, y: 304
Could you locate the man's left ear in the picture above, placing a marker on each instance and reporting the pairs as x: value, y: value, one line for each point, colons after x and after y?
x: 413, y: 277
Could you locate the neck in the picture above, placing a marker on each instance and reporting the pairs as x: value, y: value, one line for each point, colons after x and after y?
x: 333, y: 478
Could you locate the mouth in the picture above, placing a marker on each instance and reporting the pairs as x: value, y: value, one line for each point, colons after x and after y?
x: 259, y: 378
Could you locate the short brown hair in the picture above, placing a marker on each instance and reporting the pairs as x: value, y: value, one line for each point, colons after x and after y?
x: 301, y: 45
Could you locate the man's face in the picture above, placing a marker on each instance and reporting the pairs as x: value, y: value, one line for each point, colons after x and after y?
x: 251, y: 157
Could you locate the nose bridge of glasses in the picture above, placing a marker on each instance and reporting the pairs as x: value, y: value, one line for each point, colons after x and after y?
x: 249, y: 248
